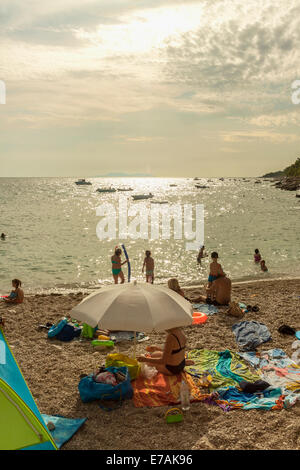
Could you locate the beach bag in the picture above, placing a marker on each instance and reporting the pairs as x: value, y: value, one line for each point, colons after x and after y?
x: 120, y: 360
x: 68, y: 333
x: 90, y: 390
x: 55, y: 329
x: 88, y: 331
x: 234, y: 310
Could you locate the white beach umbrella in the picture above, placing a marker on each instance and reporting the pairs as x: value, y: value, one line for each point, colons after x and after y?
x: 134, y: 307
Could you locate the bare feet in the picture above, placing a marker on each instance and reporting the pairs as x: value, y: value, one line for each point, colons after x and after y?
x: 189, y: 362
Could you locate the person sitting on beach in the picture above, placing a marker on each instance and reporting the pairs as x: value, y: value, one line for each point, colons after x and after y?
x: 174, y: 285
x: 257, y: 256
x: 170, y: 360
x: 263, y: 265
x: 215, y: 270
x: 117, y: 266
x: 220, y: 293
x: 17, y: 295
x: 201, y: 255
x: 149, y: 263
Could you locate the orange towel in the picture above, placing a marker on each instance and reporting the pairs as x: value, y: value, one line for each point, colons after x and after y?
x: 162, y: 390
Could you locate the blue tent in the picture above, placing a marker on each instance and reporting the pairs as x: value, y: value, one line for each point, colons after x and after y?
x: 21, y: 424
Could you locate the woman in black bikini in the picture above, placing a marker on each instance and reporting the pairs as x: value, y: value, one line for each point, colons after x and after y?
x: 170, y: 360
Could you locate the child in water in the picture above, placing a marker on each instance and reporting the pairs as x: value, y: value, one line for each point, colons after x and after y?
x: 263, y: 265
x: 215, y: 269
x: 201, y: 255
x: 149, y: 263
x: 257, y: 257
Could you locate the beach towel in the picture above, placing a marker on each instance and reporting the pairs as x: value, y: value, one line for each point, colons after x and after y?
x: 276, y: 368
x: 162, y: 390
x: 250, y: 334
x: 271, y: 399
x: 65, y: 428
x: 205, y: 308
x: 225, y: 367
x: 228, y: 371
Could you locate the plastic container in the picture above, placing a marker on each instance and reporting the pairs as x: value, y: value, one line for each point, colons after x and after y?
x: 184, y: 396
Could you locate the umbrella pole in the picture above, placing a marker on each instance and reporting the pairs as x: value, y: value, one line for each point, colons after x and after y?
x: 134, y: 346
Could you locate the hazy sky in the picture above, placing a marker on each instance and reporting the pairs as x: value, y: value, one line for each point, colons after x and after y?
x: 167, y: 87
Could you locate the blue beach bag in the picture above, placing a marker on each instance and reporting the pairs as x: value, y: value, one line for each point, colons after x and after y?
x: 90, y: 390
x: 55, y: 329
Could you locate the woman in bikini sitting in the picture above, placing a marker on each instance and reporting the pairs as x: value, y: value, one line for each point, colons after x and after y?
x: 17, y: 295
x: 117, y: 266
x: 170, y: 360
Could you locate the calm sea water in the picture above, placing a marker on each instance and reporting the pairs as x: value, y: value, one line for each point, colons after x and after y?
x: 52, y: 243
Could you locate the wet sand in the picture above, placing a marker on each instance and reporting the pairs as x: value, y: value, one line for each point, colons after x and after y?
x: 52, y: 370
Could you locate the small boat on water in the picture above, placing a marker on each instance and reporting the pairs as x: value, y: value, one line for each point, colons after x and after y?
x: 159, y: 202
x: 82, y: 182
x: 199, y: 186
x: 106, y: 190
x: 124, y: 189
x: 137, y: 197
x: 173, y: 185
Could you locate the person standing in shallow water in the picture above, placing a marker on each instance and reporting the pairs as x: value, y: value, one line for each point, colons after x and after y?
x: 149, y: 264
x: 117, y: 266
x: 201, y: 255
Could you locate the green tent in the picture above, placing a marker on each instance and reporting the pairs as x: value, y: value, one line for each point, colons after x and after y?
x: 21, y: 424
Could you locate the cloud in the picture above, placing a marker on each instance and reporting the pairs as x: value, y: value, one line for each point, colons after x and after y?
x: 237, y: 45
x: 256, y: 136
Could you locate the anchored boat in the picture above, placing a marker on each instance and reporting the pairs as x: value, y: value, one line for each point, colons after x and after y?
x: 137, y: 197
x: 82, y: 181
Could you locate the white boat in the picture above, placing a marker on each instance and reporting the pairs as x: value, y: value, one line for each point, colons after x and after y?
x: 137, y: 197
x: 82, y: 181
x: 106, y: 190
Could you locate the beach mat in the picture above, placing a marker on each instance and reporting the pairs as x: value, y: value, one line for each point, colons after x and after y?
x: 65, y: 428
x: 162, y: 390
x: 225, y: 367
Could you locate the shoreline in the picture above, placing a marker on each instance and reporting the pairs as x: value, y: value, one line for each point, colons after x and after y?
x: 89, y: 290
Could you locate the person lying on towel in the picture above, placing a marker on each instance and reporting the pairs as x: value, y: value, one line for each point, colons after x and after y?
x: 170, y: 360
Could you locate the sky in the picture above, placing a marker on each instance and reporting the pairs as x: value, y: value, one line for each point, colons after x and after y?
x: 163, y: 87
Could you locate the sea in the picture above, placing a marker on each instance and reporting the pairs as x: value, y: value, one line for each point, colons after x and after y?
x: 54, y: 243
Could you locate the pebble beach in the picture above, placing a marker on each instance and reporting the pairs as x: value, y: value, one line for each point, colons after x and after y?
x: 52, y: 370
